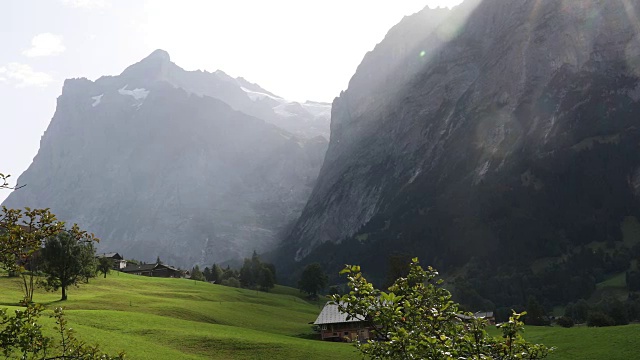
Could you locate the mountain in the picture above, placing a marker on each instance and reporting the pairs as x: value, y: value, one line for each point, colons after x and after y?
x: 159, y: 161
x: 310, y: 120
x: 499, y: 134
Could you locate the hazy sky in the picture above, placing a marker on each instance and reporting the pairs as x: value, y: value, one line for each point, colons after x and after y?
x: 297, y: 49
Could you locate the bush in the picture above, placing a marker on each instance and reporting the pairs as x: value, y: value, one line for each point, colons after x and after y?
x: 599, y: 319
x: 565, y: 322
x: 417, y: 319
x: 232, y: 282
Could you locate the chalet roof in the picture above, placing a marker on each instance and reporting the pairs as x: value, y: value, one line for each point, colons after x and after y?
x: 141, y: 267
x: 331, y: 315
x: 146, y: 267
x: 112, y: 255
x: 483, y: 314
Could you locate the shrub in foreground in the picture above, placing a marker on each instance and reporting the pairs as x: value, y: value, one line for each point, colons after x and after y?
x: 416, y: 319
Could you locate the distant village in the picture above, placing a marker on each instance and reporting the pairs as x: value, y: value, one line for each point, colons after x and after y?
x: 157, y: 269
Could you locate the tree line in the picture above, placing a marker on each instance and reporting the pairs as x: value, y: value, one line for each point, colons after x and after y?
x: 254, y: 274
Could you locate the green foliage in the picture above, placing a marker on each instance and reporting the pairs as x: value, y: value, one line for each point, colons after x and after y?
x: 535, y: 313
x: 565, y: 322
x: 217, y: 322
x: 67, y: 261
x: 255, y: 274
x: 231, y: 282
x: 599, y: 319
x: 196, y: 274
x: 313, y: 280
x: 206, y: 273
x: 22, y: 233
x: 216, y: 273
x: 104, y: 265
x: 266, y: 280
x: 416, y: 319
x: 21, y: 336
x: 230, y: 273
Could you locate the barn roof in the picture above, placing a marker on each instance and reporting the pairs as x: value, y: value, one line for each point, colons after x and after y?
x: 331, y: 315
x: 112, y: 255
x: 141, y: 267
x: 147, y: 267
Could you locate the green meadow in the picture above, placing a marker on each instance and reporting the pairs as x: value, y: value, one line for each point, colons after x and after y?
x: 156, y: 318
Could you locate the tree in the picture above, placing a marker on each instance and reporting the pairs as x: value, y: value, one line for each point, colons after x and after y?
x: 158, y: 261
x: 416, y: 319
x: 104, y: 265
x: 535, y: 313
x: 313, y: 280
x: 266, y: 280
x: 253, y: 274
x: 67, y: 261
x: 565, y: 322
x: 599, y: 319
x: 216, y: 273
x: 22, y: 233
x: 196, y: 274
x: 247, y: 274
x: 207, y: 274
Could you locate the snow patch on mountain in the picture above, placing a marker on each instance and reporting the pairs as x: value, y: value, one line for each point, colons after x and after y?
x: 256, y: 96
x: 138, y: 93
x: 96, y: 100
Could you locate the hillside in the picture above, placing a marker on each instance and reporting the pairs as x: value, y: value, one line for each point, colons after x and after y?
x: 154, y: 318
x: 484, y: 139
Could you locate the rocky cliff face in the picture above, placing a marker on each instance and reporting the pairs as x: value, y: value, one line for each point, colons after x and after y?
x: 498, y: 129
x: 158, y: 161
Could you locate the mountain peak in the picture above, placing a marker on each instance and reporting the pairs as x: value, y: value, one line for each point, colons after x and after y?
x: 159, y: 54
x: 154, y: 66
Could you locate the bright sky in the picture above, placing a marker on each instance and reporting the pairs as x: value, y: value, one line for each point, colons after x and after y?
x: 297, y: 49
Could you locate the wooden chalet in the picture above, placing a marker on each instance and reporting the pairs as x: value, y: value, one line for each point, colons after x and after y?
x: 334, y: 326
x: 119, y: 262
x: 487, y: 315
x: 155, y: 270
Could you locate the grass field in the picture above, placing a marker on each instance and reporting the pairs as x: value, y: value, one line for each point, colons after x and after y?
x: 154, y: 318
x: 584, y: 343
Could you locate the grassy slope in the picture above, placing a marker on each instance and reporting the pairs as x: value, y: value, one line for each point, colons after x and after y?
x: 584, y: 343
x: 153, y: 318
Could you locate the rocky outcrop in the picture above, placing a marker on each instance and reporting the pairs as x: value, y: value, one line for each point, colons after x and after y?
x: 158, y: 161
x: 496, y: 129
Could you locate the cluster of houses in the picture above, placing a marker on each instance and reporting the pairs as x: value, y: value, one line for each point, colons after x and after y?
x: 334, y: 325
x: 155, y: 270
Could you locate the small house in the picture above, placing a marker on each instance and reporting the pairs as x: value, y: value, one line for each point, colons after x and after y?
x: 154, y: 270
x: 487, y: 315
x: 334, y: 325
x: 119, y: 262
